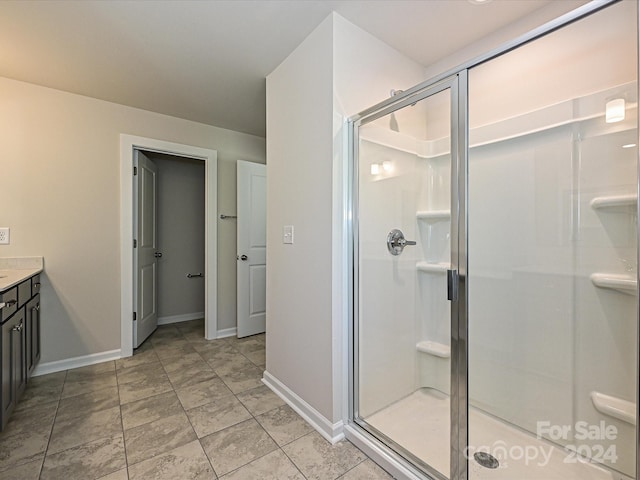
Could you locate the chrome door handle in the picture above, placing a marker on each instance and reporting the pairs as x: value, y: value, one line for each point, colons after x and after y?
x: 396, y: 242
x: 157, y: 254
x: 452, y: 285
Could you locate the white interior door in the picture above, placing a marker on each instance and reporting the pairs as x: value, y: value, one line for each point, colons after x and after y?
x: 252, y: 248
x: 145, y: 249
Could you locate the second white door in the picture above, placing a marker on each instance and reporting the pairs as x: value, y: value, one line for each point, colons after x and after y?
x: 252, y: 248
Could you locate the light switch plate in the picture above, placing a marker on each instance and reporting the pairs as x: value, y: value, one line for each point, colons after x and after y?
x: 4, y: 235
x: 287, y: 234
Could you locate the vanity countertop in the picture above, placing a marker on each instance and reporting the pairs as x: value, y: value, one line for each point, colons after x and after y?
x: 14, y: 270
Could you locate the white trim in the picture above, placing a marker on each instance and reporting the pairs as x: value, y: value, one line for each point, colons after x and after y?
x: 127, y: 145
x: 379, y: 456
x: 333, y: 432
x: 185, y: 317
x: 227, y: 332
x: 75, y: 362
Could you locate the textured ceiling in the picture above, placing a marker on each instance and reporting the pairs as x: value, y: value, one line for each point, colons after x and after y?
x: 206, y: 60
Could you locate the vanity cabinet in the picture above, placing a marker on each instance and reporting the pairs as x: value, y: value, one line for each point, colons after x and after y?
x: 19, y: 341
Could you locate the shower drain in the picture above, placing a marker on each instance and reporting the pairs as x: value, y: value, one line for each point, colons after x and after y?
x: 486, y: 460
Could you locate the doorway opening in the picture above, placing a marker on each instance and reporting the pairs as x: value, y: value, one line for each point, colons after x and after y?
x: 130, y: 148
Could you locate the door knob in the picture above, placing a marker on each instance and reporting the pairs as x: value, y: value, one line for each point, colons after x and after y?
x: 396, y: 242
x: 243, y: 258
x: 157, y: 254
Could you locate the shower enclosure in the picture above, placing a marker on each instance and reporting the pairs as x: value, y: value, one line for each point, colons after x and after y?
x: 495, y: 293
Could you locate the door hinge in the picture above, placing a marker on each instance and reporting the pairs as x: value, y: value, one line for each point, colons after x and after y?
x: 134, y: 316
x: 135, y: 243
x: 135, y: 171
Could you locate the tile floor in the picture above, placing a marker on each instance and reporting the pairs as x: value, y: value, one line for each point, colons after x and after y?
x: 180, y: 408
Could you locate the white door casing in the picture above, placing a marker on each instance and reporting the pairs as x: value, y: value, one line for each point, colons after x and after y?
x: 146, y: 263
x: 252, y: 248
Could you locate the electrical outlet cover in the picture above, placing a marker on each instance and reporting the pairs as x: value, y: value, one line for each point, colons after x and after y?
x: 4, y: 235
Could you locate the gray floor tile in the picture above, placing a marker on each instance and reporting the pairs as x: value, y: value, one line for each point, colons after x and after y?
x: 191, y: 375
x: 258, y: 357
x: 90, y: 371
x: 138, y: 358
x: 216, y: 353
x: 36, y: 394
x: 273, y: 466
x: 284, y: 425
x: 249, y: 346
x: 73, y: 431
x: 187, y: 462
x: 260, y: 400
x: 22, y: 448
x: 150, y: 386
x: 88, y: 402
x: 173, y: 364
x: 119, y: 475
x: 152, y: 439
x: 173, y: 349
x: 236, y: 446
x: 367, y: 470
x: 202, y: 393
x: 232, y: 363
x: 317, y: 459
x: 150, y: 409
x: 89, y: 461
x: 88, y: 384
x: 140, y: 373
x: 245, y: 379
x: 38, y: 418
x: 49, y: 379
x: 27, y: 471
x: 215, y: 416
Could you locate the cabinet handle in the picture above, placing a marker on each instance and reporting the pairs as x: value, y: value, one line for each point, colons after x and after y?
x: 17, y: 328
x: 37, y: 307
x: 36, y: 284
x: 8, y: 303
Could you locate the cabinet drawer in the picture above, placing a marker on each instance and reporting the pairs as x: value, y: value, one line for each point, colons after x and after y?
x: 24, y: 292
x: 10, y: 301
x: 35, y: 284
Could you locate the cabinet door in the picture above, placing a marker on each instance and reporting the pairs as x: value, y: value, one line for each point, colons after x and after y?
x: 32, y: 334
x: 19, y: 343
x: 8, y: 369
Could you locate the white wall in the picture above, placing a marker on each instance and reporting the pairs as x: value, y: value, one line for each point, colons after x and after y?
x: 61, y: 153
x: 181, y: 232
x: 336, y: 72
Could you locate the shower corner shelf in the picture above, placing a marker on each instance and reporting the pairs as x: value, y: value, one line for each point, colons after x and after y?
x: 615, y: 201
x: 427, y: 267
x: 433, y: 215
x: 621, y: 283
x: 614, y: 407
x: 434, y: 348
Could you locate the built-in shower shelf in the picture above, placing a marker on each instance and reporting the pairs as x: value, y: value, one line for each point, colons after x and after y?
x: 622, y: 283
x: 433, y: 215
x: 614, y: 407
x: 432, y: 267
x: 627, y: 202
x: 434, y: 348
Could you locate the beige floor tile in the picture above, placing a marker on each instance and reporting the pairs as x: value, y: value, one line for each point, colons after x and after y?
x: 88, y: 402
x: 260, y: 400
x: 173, y: 364
x: 202, y: 393
x: 257, y: 357
x: 49, y: 379
x: 150, y: 386
x: 155, y: 438
x: 367, y: 470
x: 236, y: 446
x: 89, y: 461
x: 191, y: 375
x: 187, y: 462
x: 317, y: 459
x: 38, y: 418
x: 217, y: 354
x: 150, y: 409
x: 90, y: 371
x: 88, y: 384
x: 20, y: 449
x: 140, y: 373
x: 38, y: 393
x: 119, y: 475
x: 27, y: 471
x: 174, y: 349
x: 245, y: 379
x: 284, y: 425
x: 70, y: 432
x: 249, y: 346
x: 215, y: 416
x: 232, y: 363
x: 139, y: 358
x: 273, y: 466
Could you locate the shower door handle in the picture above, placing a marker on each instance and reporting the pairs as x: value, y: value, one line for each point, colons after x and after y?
x: 452, y: 285
x: 396, y: 242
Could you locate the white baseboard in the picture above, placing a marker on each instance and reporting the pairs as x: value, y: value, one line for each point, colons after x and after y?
x: 227, y: 332
x: 75, y: 362
x: 333, y: 432
x: 180, y: 318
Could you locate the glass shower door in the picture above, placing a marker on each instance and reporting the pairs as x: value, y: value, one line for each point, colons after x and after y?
x: 402, y: 331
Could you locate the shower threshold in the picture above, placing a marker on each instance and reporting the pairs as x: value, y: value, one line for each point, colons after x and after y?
x: 420, y: 424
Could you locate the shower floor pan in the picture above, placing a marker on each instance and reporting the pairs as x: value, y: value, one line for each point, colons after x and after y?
x: 420, y: 423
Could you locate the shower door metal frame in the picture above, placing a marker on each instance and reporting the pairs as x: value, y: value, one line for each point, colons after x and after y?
x: 459, y: 189
x: 457, y: 85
